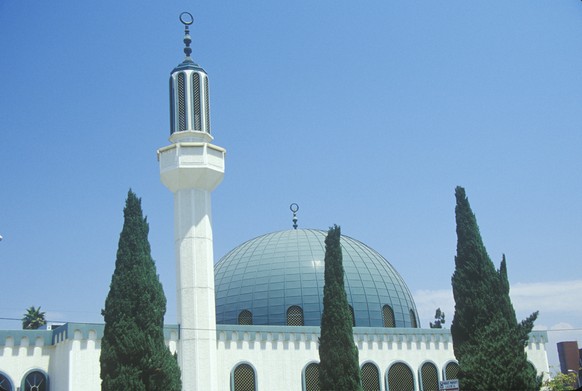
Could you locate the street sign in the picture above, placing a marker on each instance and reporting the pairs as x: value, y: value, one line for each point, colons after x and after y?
x: 449, y: 385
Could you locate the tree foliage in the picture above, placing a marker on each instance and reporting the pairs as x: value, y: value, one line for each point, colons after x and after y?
x: 562, y: 382
x: 133, y: 352
x: 488, y: 341
x: 339, y: 367
x: 33, y: 319
x: 439, y: 319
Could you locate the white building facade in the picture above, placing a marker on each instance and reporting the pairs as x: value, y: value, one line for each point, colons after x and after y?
x: 261, y: 357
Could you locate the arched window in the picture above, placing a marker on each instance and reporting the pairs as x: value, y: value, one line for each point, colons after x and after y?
x: 400, y: 378
x: 243, y: 378
x: 452, y: 371
x: 311, y: 377
x: 295, y: 316
x: 429, y: 377
x: 35, y: 381
x: 172, y: 108
x: 5, y: 383
x: 353, y: 315
x: 181, y: 102
x: 413, y: 322
x: 196, y: 101
x: 388, y: 316
x: 207, y: 108
x: 370, y: 377
x: 245, y: 317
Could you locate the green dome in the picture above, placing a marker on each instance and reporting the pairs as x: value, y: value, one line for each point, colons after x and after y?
x: 260, y: 280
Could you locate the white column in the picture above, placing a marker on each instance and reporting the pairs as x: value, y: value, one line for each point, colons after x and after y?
x: 195, y: 289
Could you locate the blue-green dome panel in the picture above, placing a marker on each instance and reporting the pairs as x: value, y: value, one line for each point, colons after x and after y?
x: 273, y: 272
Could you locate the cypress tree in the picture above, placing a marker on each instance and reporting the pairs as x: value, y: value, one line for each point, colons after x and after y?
x: 488, y: 341
x: 339, y: 367
x: 133, y: 353
x: 518, y: 373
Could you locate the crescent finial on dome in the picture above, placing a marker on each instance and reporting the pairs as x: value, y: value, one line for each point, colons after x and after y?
x: 294, y: 208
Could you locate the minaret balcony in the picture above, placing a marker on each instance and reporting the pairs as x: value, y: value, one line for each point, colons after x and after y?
x: 191, y: 165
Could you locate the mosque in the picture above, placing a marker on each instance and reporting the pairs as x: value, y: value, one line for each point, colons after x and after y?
x: 251, y: 321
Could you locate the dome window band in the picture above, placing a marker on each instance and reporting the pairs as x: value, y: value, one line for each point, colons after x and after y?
x: 245, y: 318
x: 295, y: 316
x: 388, y: 316
x: 413, y: 322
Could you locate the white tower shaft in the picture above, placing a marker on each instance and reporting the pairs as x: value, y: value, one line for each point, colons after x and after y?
x: 195, y: 290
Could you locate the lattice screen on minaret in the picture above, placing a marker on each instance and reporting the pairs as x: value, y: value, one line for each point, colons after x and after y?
x: 196, y: 111
x: 181, y: 102
x: 207, y: 109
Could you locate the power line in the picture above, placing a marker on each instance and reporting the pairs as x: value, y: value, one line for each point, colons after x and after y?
x: 200, y: 329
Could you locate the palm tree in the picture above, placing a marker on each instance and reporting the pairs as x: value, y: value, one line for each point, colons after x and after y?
x: 33, y: 319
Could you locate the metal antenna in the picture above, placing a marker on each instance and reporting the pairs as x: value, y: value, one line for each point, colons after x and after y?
x: 187, y: 19
x: 294, y: 208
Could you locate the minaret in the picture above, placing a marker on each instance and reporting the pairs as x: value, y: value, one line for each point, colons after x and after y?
x: 191, y: 167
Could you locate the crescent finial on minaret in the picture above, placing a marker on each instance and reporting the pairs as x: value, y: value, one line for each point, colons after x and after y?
x: 187, y: 19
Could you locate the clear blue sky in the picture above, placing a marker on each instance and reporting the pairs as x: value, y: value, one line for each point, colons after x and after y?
x: 365, y: 114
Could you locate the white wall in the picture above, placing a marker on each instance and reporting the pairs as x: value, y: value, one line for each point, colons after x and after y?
x: 279, y: 354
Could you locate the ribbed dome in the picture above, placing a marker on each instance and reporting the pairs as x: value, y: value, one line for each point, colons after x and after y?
x: 269, y: 274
